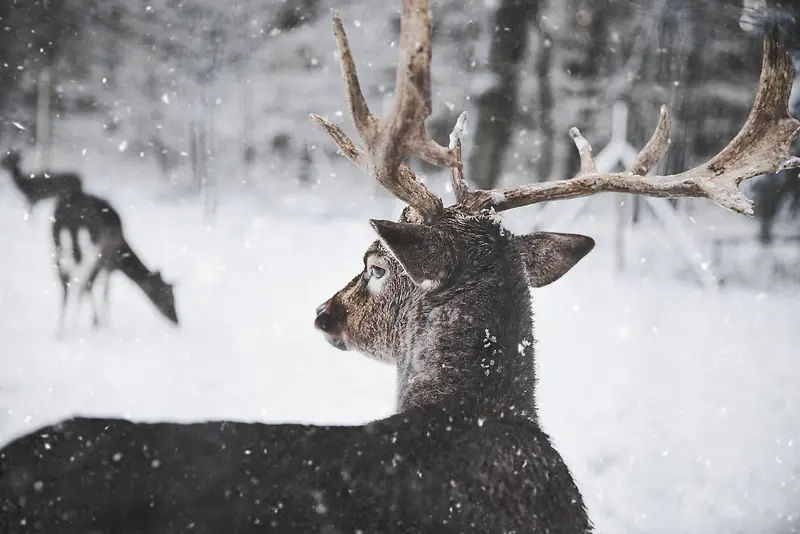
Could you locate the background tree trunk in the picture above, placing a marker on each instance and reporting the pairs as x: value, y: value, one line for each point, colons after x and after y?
x: 579, y: 72
x: 543, y: 106
x: 678, y: 72
x: 497, y: 106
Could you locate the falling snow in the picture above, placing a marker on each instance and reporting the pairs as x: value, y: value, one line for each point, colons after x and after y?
x: 675, y: 408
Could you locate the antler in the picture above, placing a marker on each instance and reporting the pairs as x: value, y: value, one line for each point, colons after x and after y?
x: 390, y: 140
x: 761, y: 147
x: 460, y: 185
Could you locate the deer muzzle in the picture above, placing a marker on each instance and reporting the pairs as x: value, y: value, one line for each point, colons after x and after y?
x: 330, y: 324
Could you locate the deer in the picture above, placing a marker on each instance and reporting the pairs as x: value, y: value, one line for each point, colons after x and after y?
x: 443, y: 294
x: 90, y: 246
x: 39, y: 186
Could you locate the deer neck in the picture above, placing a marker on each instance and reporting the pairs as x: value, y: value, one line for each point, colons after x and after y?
x: 473, y: 346
x: 131, y: 265
x: 16, y: 175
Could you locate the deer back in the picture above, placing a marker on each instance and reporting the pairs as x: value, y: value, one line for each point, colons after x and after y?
x: 434, y: 469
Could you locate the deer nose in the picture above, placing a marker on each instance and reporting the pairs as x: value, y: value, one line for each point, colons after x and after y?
x: 324, y: 321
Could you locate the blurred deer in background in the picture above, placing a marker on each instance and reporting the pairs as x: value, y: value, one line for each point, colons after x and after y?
x: 90, y: 246
x: 42, y: 185
x: 443, y: 295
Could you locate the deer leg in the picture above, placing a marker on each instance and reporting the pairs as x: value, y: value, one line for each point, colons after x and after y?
x: 99, y: 293
x: 66, y: 265
x: 62, y: 313
x: 91, y: 289
x: 77, y: 292
x: 70, y: 309
x: 106, y: 301
x: 81, y: 276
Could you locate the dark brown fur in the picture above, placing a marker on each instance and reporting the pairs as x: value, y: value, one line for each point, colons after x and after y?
x: 107, y: 252
x: 436, y: 469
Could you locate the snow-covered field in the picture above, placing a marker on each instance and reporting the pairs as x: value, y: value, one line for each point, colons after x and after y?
x: 677, y: 409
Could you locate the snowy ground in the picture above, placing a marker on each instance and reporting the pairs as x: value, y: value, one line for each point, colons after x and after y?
x: 678, y: 410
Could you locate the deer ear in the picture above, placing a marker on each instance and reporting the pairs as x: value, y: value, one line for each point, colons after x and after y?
x: 420, y: 249
x: 548, y: 256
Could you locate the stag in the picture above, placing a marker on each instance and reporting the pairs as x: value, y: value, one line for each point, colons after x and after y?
x: 444, y: 295
x: 444, y: 276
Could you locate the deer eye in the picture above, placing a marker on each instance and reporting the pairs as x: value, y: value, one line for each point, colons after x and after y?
x: 376, y: 272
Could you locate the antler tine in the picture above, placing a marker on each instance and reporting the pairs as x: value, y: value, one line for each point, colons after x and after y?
x: 362, y: 117
x: 413, y: 87
x: 343, y: 142
x: 412, y: 103
x: 760, y: 147
x: 585, y: 151
x: 460, y: 186
x: 406, y: 188
x: 656, y: 147
x: 389, y: 141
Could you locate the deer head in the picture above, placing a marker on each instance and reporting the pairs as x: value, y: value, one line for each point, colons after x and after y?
x: 448, y: 303
x: 160, y: 294
x: 443, y: 293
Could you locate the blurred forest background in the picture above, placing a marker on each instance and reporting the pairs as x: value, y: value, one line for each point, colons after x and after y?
x: 216, y: 95
x: 675, y: 406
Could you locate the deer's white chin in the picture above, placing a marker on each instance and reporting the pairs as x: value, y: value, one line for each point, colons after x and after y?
x: 336, y: 341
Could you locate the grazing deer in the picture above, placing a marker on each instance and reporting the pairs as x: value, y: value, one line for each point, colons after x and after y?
x: 36, y: 187
x: 90, y: 246
x: 444, y: 295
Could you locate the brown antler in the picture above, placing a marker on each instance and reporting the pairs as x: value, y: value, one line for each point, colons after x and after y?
x: 460, y: 185
x: 390, y: 140
x: 761, y: 147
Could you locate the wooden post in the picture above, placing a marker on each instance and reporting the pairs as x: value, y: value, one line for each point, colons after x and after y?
x: 246, y: 134
x: 43, y: 118
x: 194, y: 155
x: 209, y: 183
x: 306, y: 170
